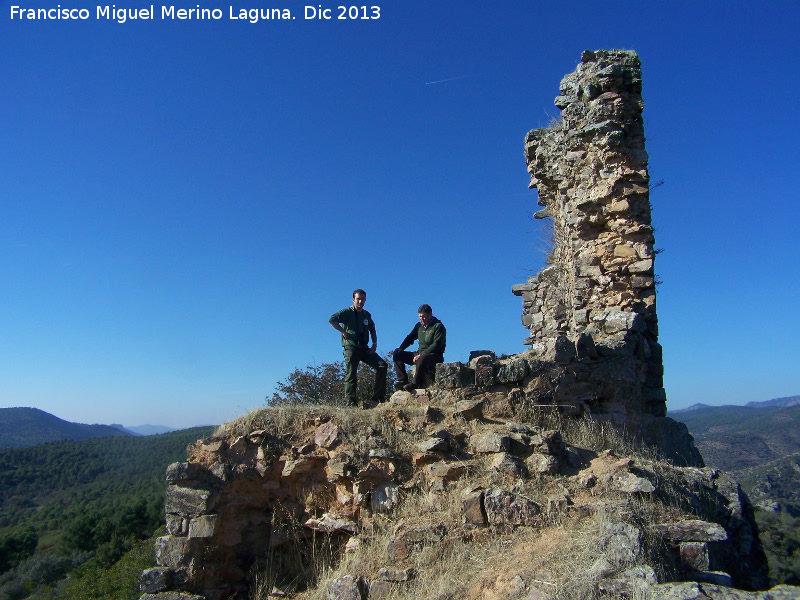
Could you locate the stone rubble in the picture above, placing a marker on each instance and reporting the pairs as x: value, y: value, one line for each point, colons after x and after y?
x: 235, y: 499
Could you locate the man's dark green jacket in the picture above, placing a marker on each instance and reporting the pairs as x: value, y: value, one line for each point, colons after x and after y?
x: 358, y: 325
x: 432, y: 339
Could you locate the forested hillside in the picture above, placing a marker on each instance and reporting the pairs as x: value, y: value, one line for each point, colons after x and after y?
x: 740, y: 438
x: 760, y: 445
x: 20, y: 427
x: 775, y: 490
x: 80, y: 505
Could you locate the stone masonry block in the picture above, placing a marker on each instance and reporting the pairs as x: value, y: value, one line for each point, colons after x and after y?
x: 157, y: 579
x: 203, y: 526
x: 173, y: 552
x: 694, y: 556
x: 484, y: 371
x: 187, y: 501
x: 451, y: 375
x: 490, y: 442
x: 513, y: 372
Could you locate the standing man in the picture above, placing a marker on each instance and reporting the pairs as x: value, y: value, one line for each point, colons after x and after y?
x: 356, y: 325
x: 431, y: 334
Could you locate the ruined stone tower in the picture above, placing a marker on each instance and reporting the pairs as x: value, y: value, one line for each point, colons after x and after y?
x: 594, y: 306
x: 262, y: 491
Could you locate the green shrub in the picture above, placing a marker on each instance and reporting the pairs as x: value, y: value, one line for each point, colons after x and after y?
x: 119, y: 581
x: 16, y: 547
x: 324, y: 385
x: 779, y: 533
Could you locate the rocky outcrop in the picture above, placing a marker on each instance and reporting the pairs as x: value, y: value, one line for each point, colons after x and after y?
x: 247, y: 498
x: 526, y: 384
x: 711, y: 591
x: 593, y: 309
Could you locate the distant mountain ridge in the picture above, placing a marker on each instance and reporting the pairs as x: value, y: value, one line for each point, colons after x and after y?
x: 778, y: 402
x: 22, y: 426
x: 698, y: 406
x: 123, y: 429
x: 144, y: 429
x: 741, y: 439
x: 774, y: 403
x: 150, y: 429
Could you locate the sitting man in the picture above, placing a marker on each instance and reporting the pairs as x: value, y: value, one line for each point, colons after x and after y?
x: 431, y: 334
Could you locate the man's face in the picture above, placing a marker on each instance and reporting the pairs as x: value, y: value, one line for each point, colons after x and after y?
x: 425, y: 318
x: 358, y: 301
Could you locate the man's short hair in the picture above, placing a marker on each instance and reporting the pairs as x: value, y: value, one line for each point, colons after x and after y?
x: 359, y: 291
x: 424, y: 309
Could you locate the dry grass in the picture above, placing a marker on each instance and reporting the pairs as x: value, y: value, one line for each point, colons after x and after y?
x: 296, y: 424
x: 483, y: 564
x: 555, y: 557
x: 297, y: 564
x: 445, y: 569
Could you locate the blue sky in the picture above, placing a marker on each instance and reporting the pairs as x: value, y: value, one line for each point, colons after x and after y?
x: 183, y: 204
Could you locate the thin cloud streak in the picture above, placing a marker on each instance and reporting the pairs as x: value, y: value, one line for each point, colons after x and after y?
x: 446, y: 80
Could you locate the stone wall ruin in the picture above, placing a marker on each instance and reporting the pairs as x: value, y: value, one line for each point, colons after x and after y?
x: 593, y: 308
x: 593, y: 332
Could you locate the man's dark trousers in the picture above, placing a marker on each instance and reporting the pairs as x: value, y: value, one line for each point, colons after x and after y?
x: 425, y: 364
x: 353, y: 356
